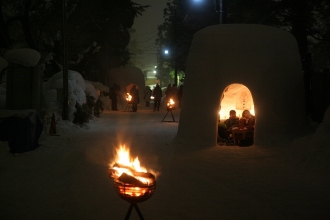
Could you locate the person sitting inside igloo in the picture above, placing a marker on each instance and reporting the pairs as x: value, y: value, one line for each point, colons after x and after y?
x: 225, y: 128
x: 247, y: 122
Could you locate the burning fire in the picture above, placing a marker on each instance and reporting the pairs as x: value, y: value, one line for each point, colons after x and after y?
x: 132, y: 180
x: 170, y: 104
x: 128, y: 97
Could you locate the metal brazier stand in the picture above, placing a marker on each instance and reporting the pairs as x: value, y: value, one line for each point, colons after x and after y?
x: 132, y: 190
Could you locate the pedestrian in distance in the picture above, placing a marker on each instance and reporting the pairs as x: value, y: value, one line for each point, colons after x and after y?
x: 114, y: 91
x: 134, y: 92
x: 168, y: 92
x: 157, y: 94
x: 147, y: 95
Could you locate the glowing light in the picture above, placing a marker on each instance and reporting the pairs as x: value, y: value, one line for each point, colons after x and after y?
x: 128, y: 97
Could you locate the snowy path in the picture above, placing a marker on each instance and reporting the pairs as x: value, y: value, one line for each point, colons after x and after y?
x: 66, y: 177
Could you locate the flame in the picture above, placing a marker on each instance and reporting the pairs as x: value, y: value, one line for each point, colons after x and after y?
x: 124, y: 158
x: 170, y: 103
x: 128, y: 97
x: 127, y: 170
x: 129, y: 164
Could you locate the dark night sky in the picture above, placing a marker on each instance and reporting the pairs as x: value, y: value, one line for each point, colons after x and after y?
x: 146, y: 31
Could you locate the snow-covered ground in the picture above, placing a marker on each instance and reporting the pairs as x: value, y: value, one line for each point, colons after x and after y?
x: 67, y: 178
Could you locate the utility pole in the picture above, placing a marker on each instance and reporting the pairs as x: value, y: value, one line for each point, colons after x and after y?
x: 221, y: 8
x: 175, y: 54
x: 65, y: 112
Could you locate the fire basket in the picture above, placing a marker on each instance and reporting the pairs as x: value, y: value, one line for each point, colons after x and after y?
x: 170, y: 107
x: 129, y: 102
x: 131, y: 185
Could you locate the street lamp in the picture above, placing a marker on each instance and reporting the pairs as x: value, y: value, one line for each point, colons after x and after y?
x: 220, y: 7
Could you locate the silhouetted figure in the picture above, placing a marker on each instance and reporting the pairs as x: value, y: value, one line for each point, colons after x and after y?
x: 113, y: 94
x: 134, y: 92
x: 168, y: 92
x: 147, y: 95
x: 157, y: 94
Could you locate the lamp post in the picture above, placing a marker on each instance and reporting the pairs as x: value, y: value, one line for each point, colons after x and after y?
x: 221, y: 7
x: 175, y: 48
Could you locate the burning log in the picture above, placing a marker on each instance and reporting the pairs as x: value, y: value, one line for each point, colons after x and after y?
x: 132, y: 183
x: 128, y: 179
x: 130, y: 176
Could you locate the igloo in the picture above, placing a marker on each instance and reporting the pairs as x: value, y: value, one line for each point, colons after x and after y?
x: 124, y: 76
x: 260, y: 61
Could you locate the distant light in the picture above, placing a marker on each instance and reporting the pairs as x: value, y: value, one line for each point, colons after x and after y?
x: 198, y: 1
x: 155, y: 71
x: 166, y: 52
x: 155, y: 67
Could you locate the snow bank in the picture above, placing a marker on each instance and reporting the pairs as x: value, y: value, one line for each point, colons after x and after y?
x: 90, y: 89
x: 314, y: 150
x: 24, y: 56
x: 77, y: 86
x: 52, y: 92
x: 99, y: 86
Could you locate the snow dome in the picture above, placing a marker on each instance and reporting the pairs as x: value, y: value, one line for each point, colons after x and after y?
x: 243, y: 66
x: 124, y: 76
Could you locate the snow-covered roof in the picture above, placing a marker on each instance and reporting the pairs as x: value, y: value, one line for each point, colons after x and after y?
x: 24, y: 56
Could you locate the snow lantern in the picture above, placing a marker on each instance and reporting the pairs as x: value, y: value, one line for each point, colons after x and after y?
x: 251, y: 66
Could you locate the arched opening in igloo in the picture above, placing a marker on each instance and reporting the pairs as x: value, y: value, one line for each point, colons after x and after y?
x: 235, y: 97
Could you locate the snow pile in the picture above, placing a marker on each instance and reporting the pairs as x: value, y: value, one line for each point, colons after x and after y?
x: 99, y: 86
x: 52, y: 92
x: 3, y: 64
x: 314, y: 150
x: 90, y: 89
x: 24, y: 56
x: 99, y: 89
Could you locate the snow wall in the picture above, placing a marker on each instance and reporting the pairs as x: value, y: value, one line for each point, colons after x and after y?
x: 264, y: 59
